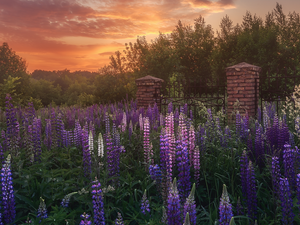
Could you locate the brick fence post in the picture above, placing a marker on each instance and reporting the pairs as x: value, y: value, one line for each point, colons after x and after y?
x: 241, y: 86
x: 146, y: 88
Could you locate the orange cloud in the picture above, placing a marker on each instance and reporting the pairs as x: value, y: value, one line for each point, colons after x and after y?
x: 81, y: 34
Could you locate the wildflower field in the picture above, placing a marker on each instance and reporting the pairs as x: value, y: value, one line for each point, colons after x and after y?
x: 116, y: 164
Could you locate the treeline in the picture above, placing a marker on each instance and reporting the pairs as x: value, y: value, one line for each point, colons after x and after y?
x: 194, y: 53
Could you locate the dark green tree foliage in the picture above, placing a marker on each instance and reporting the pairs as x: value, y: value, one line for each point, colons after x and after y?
x: 13, y: 67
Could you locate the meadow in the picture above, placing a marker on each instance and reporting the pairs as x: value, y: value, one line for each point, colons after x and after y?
x: 116, y: 164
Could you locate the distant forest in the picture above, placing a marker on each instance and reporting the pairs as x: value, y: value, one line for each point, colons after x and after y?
x: 194, y: 53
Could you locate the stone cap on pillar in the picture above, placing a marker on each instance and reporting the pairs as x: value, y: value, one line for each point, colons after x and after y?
x: 241, y: 67
x: 148, y: 80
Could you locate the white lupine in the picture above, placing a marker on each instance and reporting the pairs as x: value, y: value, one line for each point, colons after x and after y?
x: 124, y: 122
x: 91, y: 142
x: 141, y: 122
x: 100, y: 146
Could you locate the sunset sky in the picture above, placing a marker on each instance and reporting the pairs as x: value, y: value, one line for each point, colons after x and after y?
x: 82, y: 34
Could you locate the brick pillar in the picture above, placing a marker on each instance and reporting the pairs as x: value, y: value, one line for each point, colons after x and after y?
x: 241, y: 86
x: 146, y: 88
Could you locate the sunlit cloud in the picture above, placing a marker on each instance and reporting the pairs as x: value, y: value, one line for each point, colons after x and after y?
x: 73, y: 33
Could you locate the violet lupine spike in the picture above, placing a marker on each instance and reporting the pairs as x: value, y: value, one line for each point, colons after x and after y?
x: 286, y: 202
x: 275, y: 175
x: 48, y: 135
x: 298, y: 189
x: 110, y: 155
x: 119, y: 220
x: 259, y: 147
x: 171, y: 137
x: 37, y: 130
x: 98, y: 206
x: 8, y: 198
x: 42, y: 210
x: 244, y: 165
x: 289, y: 164
x: 251, y: 192
x: 145, y: 204
x: 190, y: 206
x: 155, y: 174
x: 85, y: 219
x: 225, y: 208
x: 174, y: 208
x: 184, y: 184
x: 66, y: 200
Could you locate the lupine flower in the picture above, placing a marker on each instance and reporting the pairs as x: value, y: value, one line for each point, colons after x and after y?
x: 174, y: 207
x: 275, y: 174
x: 91, y: 143
x: 85, y: 219
x: 196, y: 159
x: 100, y: 146
x: 119, y: 220
x: 286, y: 202
x: 225, y: 208
x: 251, y: 192
x: 42, y: 210
x: 98, y: 203
x: 244, y: 166
x: 187, y: 219
x: 191, y: 145
x: 8, y: 198
x: 155, y: 174
x: 190, y: 206
x: 289, y: 164
x: 298, y: 188
x: 145, y: 204
x: 65, y: 201
x: 147, y: 154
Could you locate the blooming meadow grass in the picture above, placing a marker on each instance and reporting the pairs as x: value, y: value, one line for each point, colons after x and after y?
x: 116, y: 164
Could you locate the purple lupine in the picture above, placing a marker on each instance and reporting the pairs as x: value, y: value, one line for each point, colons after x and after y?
x: 298, y: 189
x: 155, y: 174
x: 36, y: 138
x: 259, y: 147
x: 145, y: 204
x: 251, y: 192
x: 110, y: 155
x: 225, y: 208
x: 244, y: 165
x: 48, y: 135
x: 289, y: 164
x: 85, y: 219
x: 275, y: 175
x: 171, y: 137
x: 66, y: 200
x: 119, y: 220
x: 98, y: 203
x: 8, y: 198
x: 174, y: 208
x: 184, y: 184
x: 1, y: 155
x: 286, y: 202
x: 42, y: 210
x: 190, y: 206
x: 87, y: 163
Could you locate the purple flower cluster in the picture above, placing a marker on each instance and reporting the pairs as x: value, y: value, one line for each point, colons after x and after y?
x: 145, y: 204
x: 225, y: 208
x: 275, y: 175
x: 119, y: 220
x: 87, y: 163
x: 147, y: 151
x: 8, y: 198
x: 98, y: 203
x: 190, y: 207
x: 251, y: 192
x: 66, y: 200
x: 289, y: 164
x: 85, y: 219
x: 155, y: 174
x: 42, y: 210
x: 173, y: 212
x: 286, y: 202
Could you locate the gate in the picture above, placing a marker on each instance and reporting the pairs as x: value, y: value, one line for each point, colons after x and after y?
x: 181, y: 92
